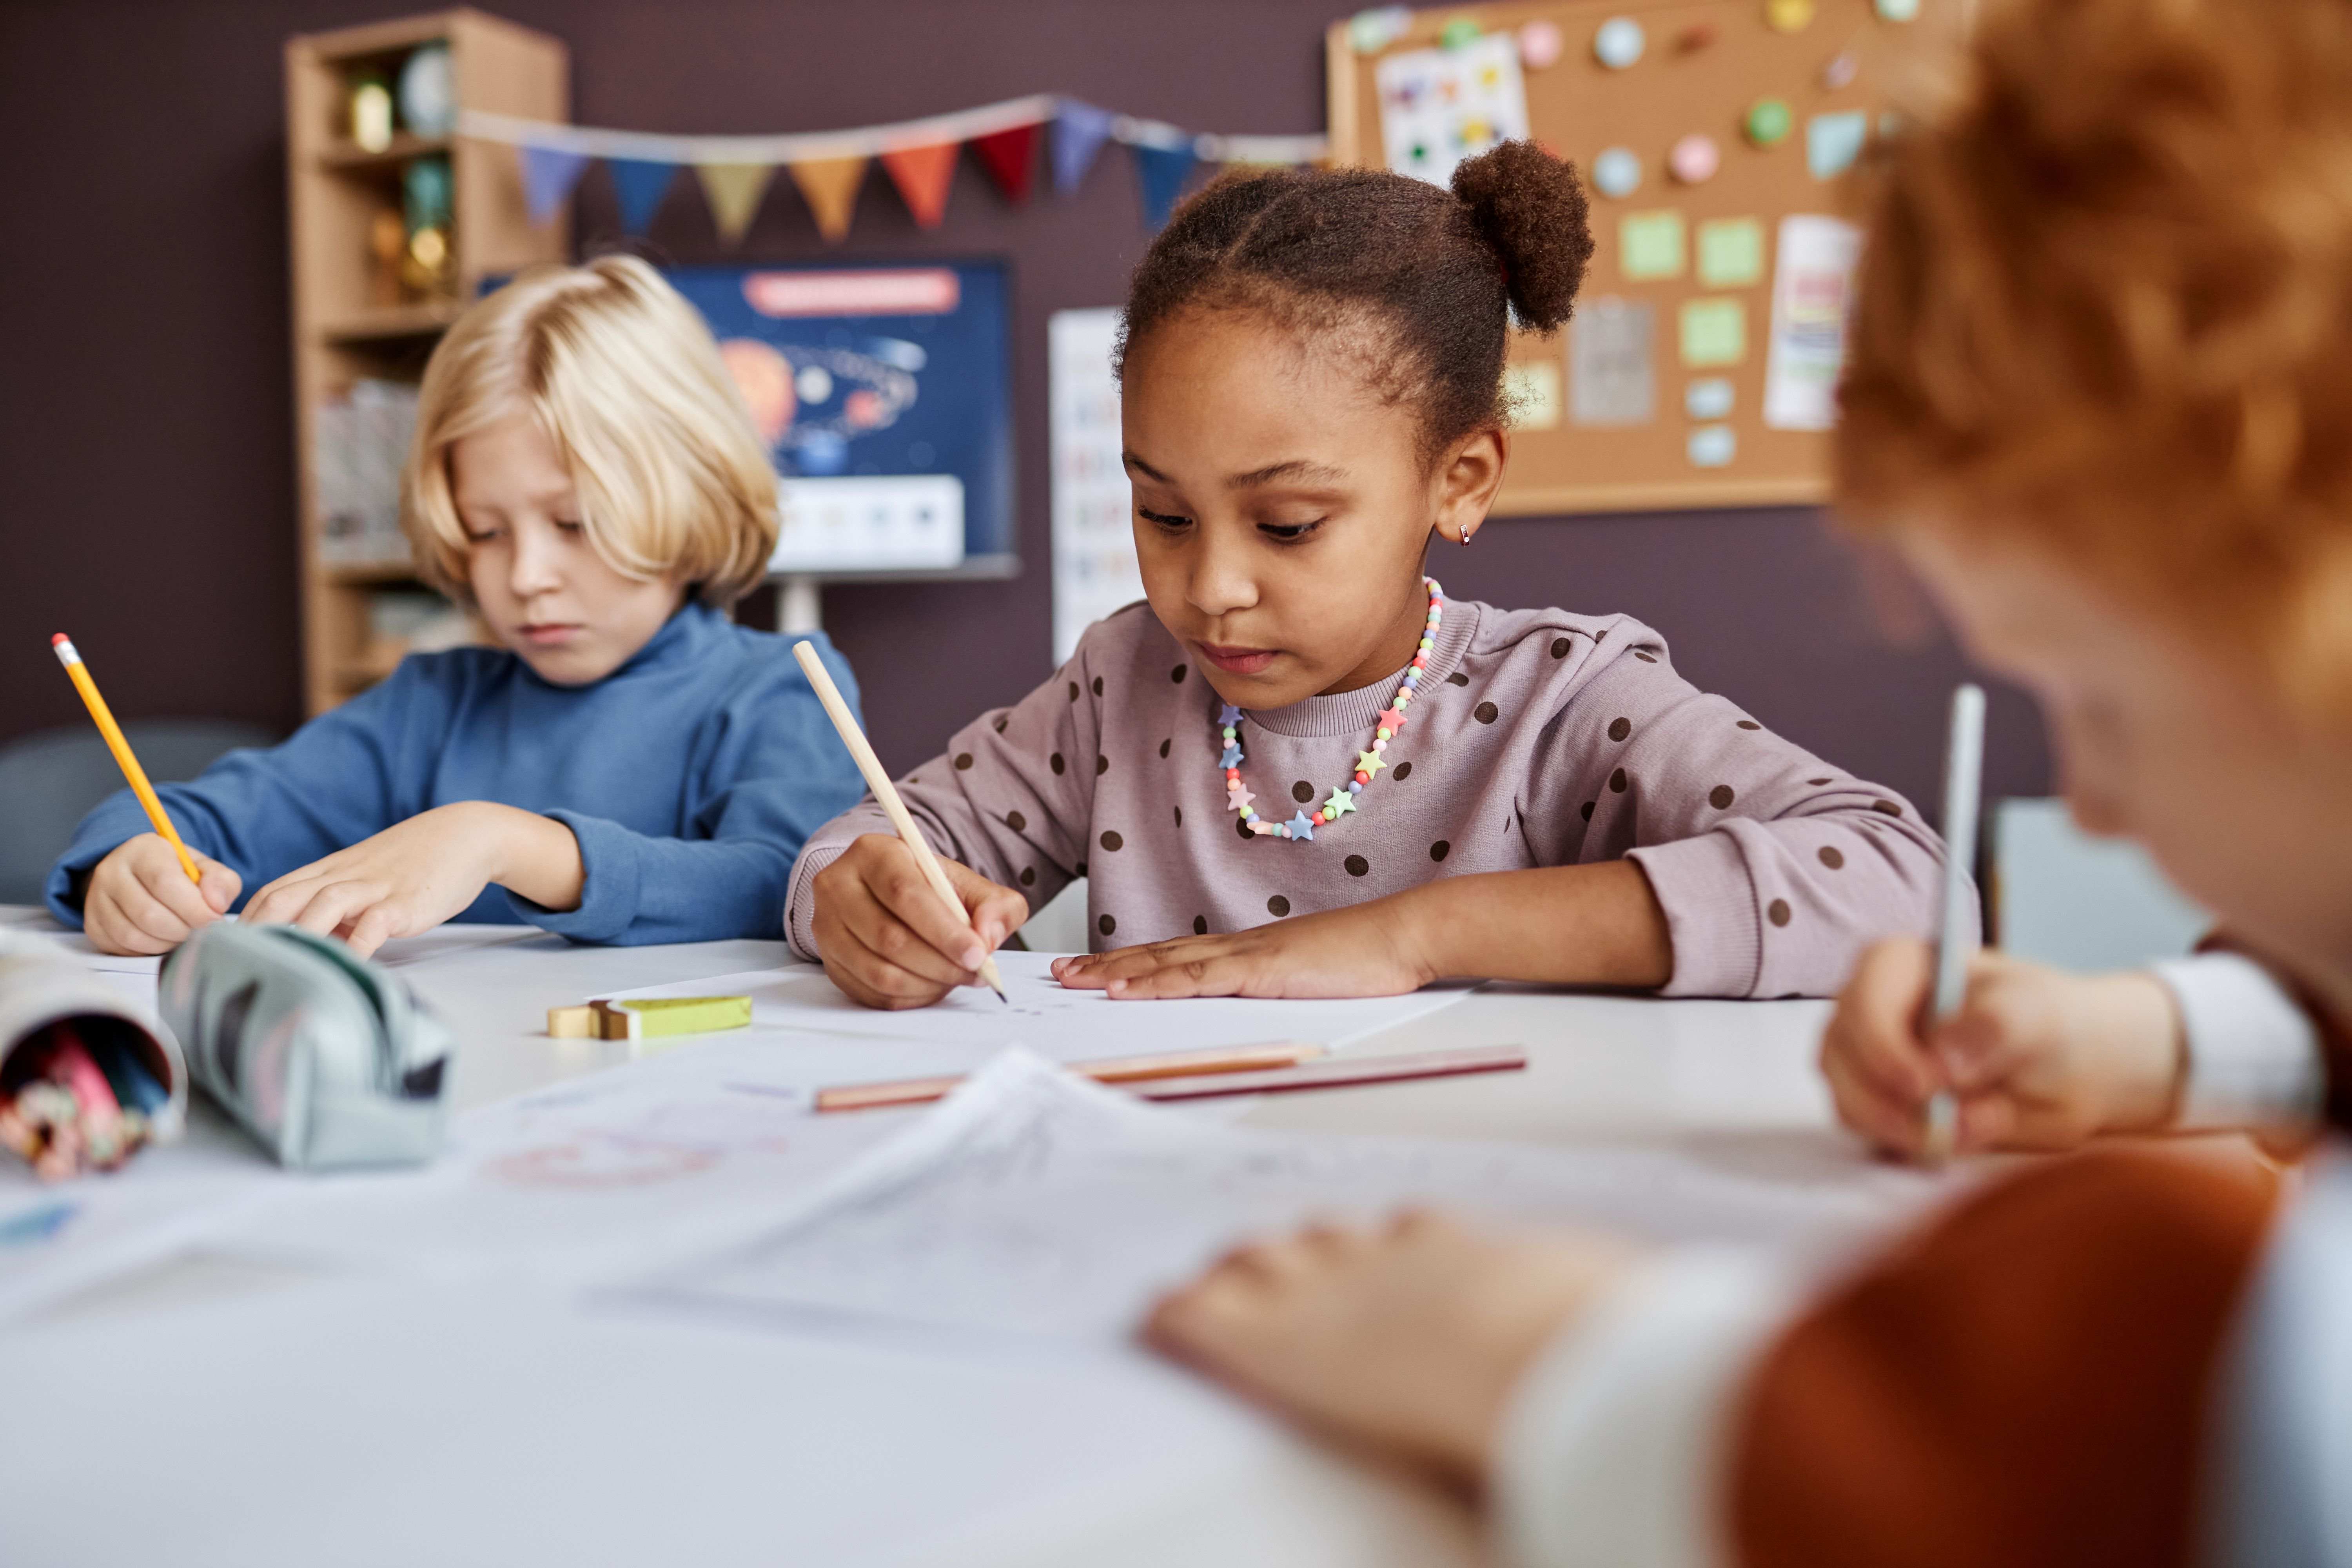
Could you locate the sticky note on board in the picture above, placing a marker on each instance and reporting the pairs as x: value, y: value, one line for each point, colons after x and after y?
x: 1650, y: 244
x: 1712, y: 445
x: 1611, y: 377
x: 1714, y: 332
x: 1532, y: 390
x: 1833, y: 141
x: 1710, y: 397
x: 1730, y: 253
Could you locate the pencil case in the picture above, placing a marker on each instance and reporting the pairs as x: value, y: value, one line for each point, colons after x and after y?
x: 328, y: 1060
x: 87, y: 1075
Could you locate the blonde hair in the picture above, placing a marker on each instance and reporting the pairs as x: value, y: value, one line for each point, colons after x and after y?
x: 622, y: 376
x: 2106, y: 309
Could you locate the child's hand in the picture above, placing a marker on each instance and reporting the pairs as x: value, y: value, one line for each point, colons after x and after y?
x: 887, y: 939
x: 415, y: 874
x: 2037, y: 1058
x: 140, y: 899
x: 1363, y: 951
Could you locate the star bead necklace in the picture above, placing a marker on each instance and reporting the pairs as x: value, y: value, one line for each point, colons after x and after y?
x: 1368, y: 763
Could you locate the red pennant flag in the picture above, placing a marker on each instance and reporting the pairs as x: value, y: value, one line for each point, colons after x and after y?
x: 1009, y: 156
x: 922, y: 175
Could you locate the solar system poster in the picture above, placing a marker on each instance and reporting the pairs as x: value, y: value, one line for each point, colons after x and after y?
x: 884, y: 396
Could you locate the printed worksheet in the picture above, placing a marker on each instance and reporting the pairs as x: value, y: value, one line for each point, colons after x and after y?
x: 1035, y: 1202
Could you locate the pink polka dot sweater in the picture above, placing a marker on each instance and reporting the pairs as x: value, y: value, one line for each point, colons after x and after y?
x: 1540, y: 738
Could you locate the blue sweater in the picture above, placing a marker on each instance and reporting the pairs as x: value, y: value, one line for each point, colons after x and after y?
x: 690, y: 776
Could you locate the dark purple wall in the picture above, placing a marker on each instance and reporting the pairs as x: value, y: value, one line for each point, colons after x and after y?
x: 145, y: 489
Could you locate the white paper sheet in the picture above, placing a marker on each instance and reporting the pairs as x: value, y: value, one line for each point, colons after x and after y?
x: 1094, y: 570
x: 1812, y: 286
x: 1031, y: 1201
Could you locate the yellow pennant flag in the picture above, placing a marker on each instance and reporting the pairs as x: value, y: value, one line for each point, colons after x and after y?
x: 830, y: 188
x: 734, y: 191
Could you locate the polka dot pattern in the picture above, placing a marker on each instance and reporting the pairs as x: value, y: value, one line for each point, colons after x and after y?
x: 1028, y: 876
x: 1458, y: 678
x: 1079, y: 869
x: 1056, y: 763
x: 1106, y: 925
x: 963, y: 761
x: 1098, y: 685
x: 1102, y: 764
x: 1485, y: 712
x: 1177, y: 674
x: 1302, y: 791
x: 1241, y: 826
x: 1112, y: 841
x: 1164, y: 745
x: 1817, y: 783
x: 1617, y: 782
x: 1886, y: 807
x: 1645, y: 657
x: 1749, y: 724
x: 1585, y: 811
x: 1357, y: 865
x: 1440, y: 850
x: 1015, y: 821
x: 1777, y: 911
x: 1180, y: 817
x: 1200, y: 925
x: 1559, y: 646
x: 1620, y: 727
x: 1001, y: 721
x: 1073, y: 692
x: 1720, y: 797
x: 1831, y: 857
x: 1401, y: 772
x: 1278, y: 906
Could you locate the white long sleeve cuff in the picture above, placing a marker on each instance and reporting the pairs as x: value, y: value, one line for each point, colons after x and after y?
x: 1613, y: 1451
x: 2253, y: 1056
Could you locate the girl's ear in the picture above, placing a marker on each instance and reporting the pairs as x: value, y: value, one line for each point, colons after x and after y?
x: 1467, y: 477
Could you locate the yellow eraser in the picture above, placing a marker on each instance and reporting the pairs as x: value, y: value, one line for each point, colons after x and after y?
x: 659, y: 1016
x: 571, y: 1023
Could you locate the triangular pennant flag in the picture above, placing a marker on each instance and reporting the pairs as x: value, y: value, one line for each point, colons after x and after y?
x: 548, y: 176
x: 829, y: 185
x: 1162, y: 171
x: 734, y: 191
x: 1009, y: 156
x: 922, y: 175
x: 1080, y: 131
x: 641, y: 184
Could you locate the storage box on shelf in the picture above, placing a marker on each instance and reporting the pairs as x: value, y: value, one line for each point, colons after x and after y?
x: 373, y: 292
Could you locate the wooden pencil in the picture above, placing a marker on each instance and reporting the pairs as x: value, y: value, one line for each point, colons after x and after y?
x: 79, y: 674
x: 1105, y: 1070
x: 1340, y: 1072
x: 886, y: 793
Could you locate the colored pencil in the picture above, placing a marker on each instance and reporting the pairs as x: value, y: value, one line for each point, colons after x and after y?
x: 887, y: 794
x: 79, y: 674
x: 1340, y: 1073
x: 1963, y: 789
x: 1105, y: 1070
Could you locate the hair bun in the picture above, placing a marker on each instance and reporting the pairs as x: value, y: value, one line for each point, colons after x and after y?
x: 1530, y: 208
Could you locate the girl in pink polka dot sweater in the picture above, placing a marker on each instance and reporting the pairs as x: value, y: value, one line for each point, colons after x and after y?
x: 1298, y: 769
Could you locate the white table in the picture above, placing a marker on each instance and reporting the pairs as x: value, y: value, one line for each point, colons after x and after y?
x: 629, y: 1439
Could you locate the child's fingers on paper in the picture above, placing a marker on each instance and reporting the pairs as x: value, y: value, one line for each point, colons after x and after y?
x: 111, y: 928
x: 1212, y: 974
x: 1864, y: 1107
x: 922, y: 939
x: 220, y: 885
x: 377, y: 924
x: 995, y: 910
x: 165, y: 882
x: 873, y: 980
x: 1874, y: 1029
x: 333, y: 904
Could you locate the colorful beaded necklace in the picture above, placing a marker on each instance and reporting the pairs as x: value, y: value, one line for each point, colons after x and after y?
x: 1368, y: 763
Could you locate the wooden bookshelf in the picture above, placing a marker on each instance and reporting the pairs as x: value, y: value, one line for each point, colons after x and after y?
x: 344, y: 330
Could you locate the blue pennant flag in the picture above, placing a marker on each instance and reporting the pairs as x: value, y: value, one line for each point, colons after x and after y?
x: 548, y: 176
x: 1080, y: 131
x: 641, y: 185
x: 1162, y: 171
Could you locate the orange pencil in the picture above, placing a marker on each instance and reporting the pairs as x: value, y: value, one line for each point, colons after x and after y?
x: 1103, y: 1069
x: 121, y: 750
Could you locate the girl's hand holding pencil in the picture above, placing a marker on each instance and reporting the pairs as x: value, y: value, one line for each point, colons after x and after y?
x: 887, y: 937
x: 140, y: 899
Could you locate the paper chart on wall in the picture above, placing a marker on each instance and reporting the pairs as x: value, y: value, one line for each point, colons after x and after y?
x: 1812, y: 285
x: 1034, y: 1203
x: 1441, y: 105
x: 1094, y: 570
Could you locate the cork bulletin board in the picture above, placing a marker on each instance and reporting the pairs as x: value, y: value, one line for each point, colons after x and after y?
x: 1711, y: 135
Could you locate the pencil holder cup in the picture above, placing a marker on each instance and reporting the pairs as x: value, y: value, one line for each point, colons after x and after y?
x: 328, y: 1060
x: 40, y: 988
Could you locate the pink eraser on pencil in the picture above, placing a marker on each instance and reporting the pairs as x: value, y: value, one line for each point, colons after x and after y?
x: 71, y: 1066
x: 56, y: 639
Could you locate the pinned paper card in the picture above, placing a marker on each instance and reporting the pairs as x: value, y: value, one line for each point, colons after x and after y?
x: 1833, y: 141
x: 1649, y: 245
x: 1709, y: 397
x: 1713, y: 445
x: 1441, y: 105
x: 1730, y: 253
x: 1611, y: 378
x: 1812, y: 282
x: 1714, y: 332
x: 1531, y: 392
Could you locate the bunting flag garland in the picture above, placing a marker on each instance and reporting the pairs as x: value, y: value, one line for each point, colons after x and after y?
x: 922, y: 175
x: 829, y: 185
x: 641, y: 184
x: 548, y: 176
x: 734, y: 191
x: 1080, y: 131
x: 1162, y: 173
x: 1009, y: 156
x: 829, y: 166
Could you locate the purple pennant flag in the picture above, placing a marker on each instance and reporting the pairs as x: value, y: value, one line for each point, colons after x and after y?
x: 641, y: 184
x: 1162, y: 171
x: 1080, y: 131
x: 548, y: 176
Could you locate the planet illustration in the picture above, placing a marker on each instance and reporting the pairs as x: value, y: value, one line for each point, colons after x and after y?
x: 810, y: 401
